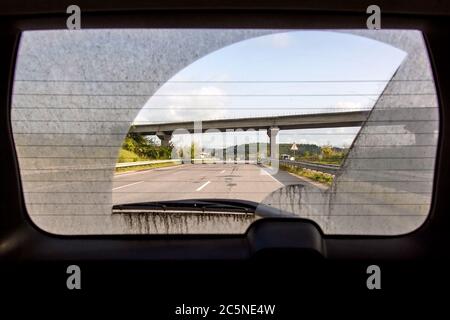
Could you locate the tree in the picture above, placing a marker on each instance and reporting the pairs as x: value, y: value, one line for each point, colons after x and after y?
x: 327, y: 151
x: 145, y: 147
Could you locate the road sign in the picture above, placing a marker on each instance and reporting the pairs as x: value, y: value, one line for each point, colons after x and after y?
x: 294, y: 147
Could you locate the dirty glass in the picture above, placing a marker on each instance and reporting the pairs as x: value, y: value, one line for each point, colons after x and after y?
x: 166, y: 131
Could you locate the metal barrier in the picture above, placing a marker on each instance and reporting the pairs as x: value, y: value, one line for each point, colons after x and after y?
x: 143, y: 163
x: 326, y: 168
x: 182, y: 161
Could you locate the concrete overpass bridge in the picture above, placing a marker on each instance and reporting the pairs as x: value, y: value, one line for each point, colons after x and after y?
x: 273, y: 124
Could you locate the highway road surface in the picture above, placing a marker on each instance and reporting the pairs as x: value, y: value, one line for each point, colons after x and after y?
x: 190, y: 181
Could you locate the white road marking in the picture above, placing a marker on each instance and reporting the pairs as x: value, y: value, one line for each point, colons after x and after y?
x: 203, y: 185
x: 223, y: 171
x: 127, y: 185
x: 267, y: 173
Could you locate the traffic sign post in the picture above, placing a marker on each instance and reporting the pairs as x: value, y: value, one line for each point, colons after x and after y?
x: 294, y: 148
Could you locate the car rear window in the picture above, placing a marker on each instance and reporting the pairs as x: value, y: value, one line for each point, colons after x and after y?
x: 189, y: 131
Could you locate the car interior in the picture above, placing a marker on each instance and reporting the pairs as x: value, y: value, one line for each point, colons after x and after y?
x: 229, y: 247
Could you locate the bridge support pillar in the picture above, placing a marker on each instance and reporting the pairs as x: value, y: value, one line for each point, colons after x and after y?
x: 165, y: 138
x: 272, y: 132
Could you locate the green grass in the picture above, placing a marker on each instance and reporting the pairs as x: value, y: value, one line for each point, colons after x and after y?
x: 128, y: 156
x: 147, y: 166
x: 321, y: 177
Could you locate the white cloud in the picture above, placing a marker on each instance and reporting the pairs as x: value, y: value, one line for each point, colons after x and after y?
x: 280, y: 40
x: 204, y: 103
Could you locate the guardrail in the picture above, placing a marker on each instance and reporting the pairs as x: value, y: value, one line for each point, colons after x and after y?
x: 143, y: 163
x: 326, y: 168
x: 195, y: 161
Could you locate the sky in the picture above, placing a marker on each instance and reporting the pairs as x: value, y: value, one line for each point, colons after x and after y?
x: 269, y: 76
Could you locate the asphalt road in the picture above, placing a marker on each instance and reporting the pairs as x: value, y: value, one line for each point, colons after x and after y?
x: 190, y: 181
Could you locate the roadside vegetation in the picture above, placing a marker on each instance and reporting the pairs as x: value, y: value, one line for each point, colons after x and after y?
x: 327, y: 155
x: 317, y: 176
x: 129, y: 156
x: 137, y: 147
x: 321, y: 155
x: 306, y: 152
